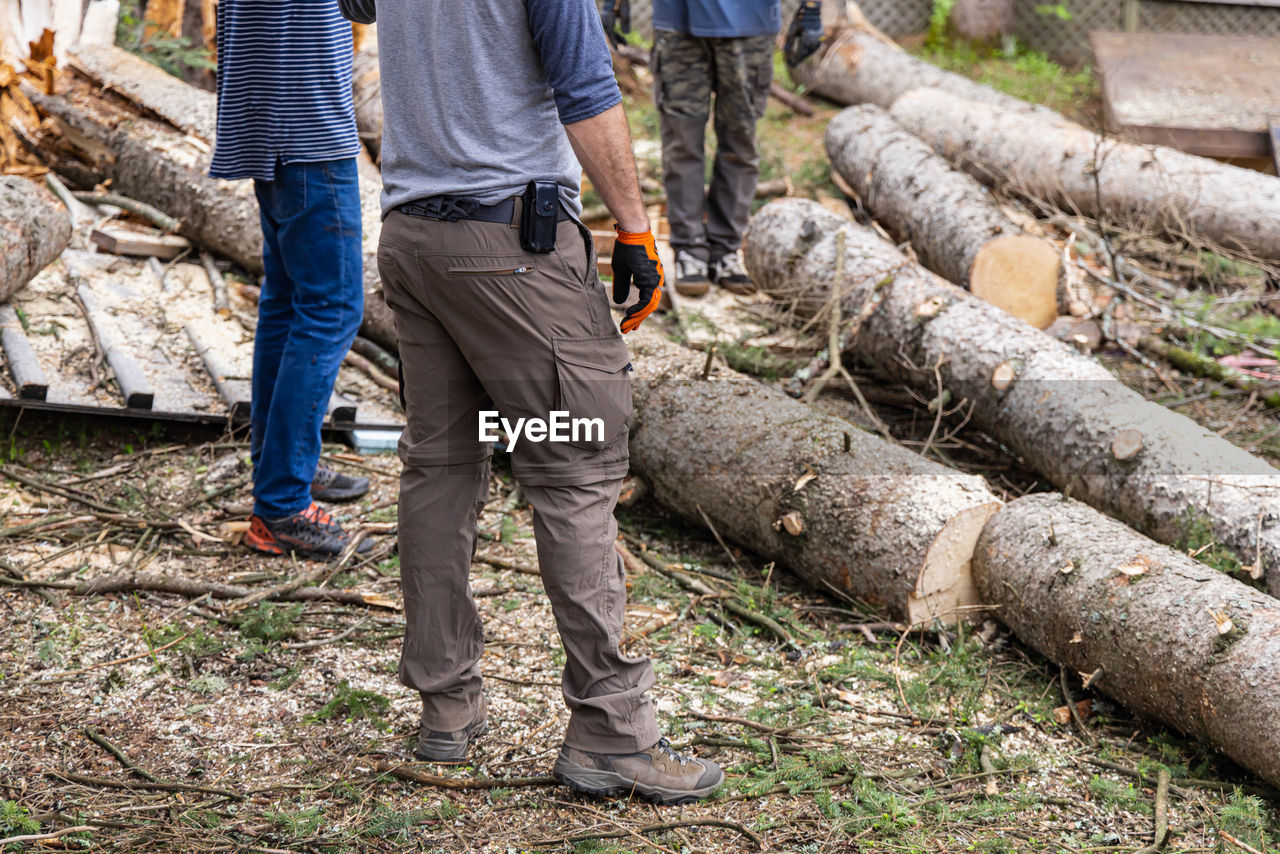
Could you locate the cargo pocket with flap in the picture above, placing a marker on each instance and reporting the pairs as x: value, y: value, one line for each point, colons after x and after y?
x: 592, y: 386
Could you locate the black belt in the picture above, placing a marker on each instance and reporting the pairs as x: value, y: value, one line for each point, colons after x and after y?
x: 454, y: 208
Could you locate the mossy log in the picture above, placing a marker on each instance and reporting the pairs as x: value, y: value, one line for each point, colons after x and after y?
x: 954, y: 225
x: 840, y: 507
x: 1062, y: 412
x: 1143, y: 186
x: 1169, y: 638
x: 34, y: 229
x: 118, y: 120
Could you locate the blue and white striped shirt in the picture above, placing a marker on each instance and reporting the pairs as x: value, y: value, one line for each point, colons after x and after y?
x: 284, y: 86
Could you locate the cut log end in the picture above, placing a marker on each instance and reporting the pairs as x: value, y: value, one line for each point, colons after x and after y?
x: 945, y: 589
x: 1019, y: 273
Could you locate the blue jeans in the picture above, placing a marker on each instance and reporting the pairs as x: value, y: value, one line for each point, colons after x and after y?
x: 310, y: 310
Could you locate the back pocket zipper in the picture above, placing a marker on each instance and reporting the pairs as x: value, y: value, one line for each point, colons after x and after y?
x: 459, y: 272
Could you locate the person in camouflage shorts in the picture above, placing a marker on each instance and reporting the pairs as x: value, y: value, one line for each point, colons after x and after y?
x: 701, y: 49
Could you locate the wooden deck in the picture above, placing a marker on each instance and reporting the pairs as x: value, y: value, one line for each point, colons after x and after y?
x: 1205, y: 94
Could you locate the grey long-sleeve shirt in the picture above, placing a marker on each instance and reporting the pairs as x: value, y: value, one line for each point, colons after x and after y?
x: 476, y: 93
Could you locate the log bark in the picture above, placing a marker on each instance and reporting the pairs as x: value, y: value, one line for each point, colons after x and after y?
x: 1059, y: 410
x: 1176, y: 641
x: 165, y: 163
x: 842, y: 508
x: 1144, y: 186
x: 34, y: 229
x: 953, y: 224
x: 366, y: 85
x: 856, y: 67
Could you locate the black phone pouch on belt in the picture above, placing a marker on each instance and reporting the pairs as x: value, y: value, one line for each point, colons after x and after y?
x: 539, y: 216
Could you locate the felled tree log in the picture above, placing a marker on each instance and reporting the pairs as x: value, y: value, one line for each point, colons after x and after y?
x: 955, y: 227
x: 842, y: 508
x: 34, y: 229
x: 366, y: 84
x: 1174, y: 640
x: 165, y: 163
x: 1062, y: 412
x: 856, y: 67
x: 1068, y: 165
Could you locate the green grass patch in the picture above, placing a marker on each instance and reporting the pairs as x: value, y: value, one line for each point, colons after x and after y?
x: 352, y: 704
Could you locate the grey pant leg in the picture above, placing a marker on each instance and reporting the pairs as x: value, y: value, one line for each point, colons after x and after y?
x: 682, y: 67
x: 444, y: 638
x: 743, y: 71
x: 584, y: 578
x: 442, y: 490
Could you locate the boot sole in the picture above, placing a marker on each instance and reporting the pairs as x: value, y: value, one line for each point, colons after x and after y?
x: 611, y: 784
x: 338, y: 496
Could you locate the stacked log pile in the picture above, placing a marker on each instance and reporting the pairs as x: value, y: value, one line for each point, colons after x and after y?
x: 1060, y: 411
x: 1163, y: 634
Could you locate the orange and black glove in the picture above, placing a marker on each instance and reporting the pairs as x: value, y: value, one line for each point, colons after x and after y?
x: 635, y: 257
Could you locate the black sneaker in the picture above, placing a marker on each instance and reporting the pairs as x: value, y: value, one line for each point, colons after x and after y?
x: 730, y: 273
x: 335, y: 487
x: 309, y: 534
x: 450, y: 748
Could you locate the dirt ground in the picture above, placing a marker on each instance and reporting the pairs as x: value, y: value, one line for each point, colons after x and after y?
x: 200, y: 718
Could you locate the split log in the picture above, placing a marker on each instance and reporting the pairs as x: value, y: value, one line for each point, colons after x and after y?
x: 1062, y: 412
x: 856, y: 67
x: 1174, y: 640
x: 842, y: 508
x: 34, y: 229
x: 366, y: 85
x: 1146, y: 186
x: 954, y: 225
x: 149, y: 160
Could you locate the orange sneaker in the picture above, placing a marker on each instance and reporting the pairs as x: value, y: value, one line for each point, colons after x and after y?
x: 309, y: 534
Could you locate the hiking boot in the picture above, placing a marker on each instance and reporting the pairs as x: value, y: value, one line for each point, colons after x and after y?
x: 691, y: 275
x: 309, y: 534
x: 728, y: 272
x: 658, y: 774
x: 450, y: 748
x: 335, y: 487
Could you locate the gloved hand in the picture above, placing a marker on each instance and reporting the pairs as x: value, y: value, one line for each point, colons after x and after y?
x: 635, y: 257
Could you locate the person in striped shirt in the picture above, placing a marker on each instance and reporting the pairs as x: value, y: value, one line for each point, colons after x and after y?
x: 286, y: 120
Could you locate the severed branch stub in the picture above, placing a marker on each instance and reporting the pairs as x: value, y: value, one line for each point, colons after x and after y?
x: 1126, y: 445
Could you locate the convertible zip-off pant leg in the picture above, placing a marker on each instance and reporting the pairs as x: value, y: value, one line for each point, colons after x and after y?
x: 484, y: 325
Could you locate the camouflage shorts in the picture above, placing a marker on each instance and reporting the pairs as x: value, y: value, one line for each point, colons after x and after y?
x: 687, y: 70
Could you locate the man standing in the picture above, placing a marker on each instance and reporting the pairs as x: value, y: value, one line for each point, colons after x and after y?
x: 703, y: 48
x: 490, y: 106
x: 285, y: 119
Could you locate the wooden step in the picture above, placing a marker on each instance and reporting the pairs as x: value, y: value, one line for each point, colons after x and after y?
x: 135, y: 388
x: 234, y: 391
x: 342, y: 410
x: 28, y: 377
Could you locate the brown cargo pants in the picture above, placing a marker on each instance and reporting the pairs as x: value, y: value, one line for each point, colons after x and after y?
x: 484, y: 325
